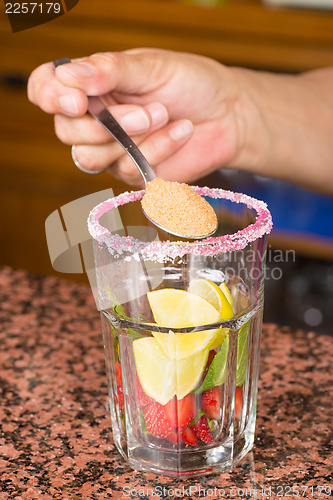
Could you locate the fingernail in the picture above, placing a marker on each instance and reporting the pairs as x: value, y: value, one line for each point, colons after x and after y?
x: 158, y: 113
x: 182, y: 130
x: 69, y: 104
x: 135, y: 121
x: 78, y: 69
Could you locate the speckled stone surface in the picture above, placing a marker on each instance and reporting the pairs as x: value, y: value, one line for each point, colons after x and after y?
x: 55, y: 430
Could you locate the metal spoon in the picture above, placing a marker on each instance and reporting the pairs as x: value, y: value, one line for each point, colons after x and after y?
x: 98, y: 110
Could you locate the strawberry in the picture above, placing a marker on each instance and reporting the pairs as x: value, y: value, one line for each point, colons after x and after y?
x: 211, y: 403
x: 142, y: 398
x: 173, y: 437
x: 238, y: 403
x: 202, y: 431
x: 188, y: 436
x: 120, y: 393
x: 157, y: 422
x: 181, y: 412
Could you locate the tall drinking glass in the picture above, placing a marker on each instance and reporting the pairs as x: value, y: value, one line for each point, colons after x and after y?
x: 181, y: 324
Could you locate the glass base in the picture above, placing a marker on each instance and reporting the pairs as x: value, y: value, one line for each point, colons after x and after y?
x: 232, y: 431
x: 179, y: 463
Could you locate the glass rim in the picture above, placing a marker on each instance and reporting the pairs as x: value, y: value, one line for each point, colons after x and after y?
x: 159, y: 250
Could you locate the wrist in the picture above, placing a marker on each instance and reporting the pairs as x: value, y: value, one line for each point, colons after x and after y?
x: 253, y: 135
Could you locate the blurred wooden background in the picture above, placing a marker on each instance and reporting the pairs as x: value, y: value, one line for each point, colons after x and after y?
x: 37, y: 175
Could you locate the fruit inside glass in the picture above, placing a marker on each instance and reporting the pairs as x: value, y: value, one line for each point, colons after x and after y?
x: 181, y: 325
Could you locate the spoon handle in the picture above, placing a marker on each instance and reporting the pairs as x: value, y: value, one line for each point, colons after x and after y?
x: 98, y: 110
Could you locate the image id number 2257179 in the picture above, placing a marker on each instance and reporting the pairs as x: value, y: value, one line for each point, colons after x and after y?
x: 33, y: 8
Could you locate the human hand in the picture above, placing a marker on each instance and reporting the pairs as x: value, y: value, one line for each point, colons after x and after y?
x: 184, y: 111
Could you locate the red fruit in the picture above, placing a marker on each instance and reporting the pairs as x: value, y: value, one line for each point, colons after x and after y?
x: 157, y: 422
x: 202, y: 431
x: 173, y: 437
x: 189, y: 437
x: 142, y: 398
x: 120, y: 393
x: 238, y: 403
x: 211, y: 403
x: 181, y: 412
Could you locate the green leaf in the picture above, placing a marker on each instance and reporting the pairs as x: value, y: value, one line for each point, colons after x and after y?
x: 134, y: 334
x: 113, y: 299
x: 217, y: 370
x: 118, y: 309
x: 242, y: 354
x: 198, y: 415
x: 143, y: 423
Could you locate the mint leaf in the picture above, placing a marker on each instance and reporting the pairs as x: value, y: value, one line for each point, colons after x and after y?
x: 143, y: 424
x: 242, y: 354
x: 134, y: 334
x: 196, y: 418
x: 114, y: 301
x: 118, y: 309
x: 217, y: 370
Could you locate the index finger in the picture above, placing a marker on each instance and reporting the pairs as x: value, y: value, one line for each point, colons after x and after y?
x: 54, y: 97
x: 136, y: 72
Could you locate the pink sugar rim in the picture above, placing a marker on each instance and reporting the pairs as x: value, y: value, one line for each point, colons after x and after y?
x: 158, y: 250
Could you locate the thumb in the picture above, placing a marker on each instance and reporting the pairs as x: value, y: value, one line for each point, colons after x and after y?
x: 134, y: 72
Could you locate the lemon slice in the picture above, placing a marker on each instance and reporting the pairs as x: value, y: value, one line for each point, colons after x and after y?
x: 161, y: 378
x: 180, y: 346
x: 189, y: 372
x: 227, y: 293
x: 218, y: 339
x: 175, y: 308
x: 220, y: 298
x: 213, y: 294
x: 155, y: 370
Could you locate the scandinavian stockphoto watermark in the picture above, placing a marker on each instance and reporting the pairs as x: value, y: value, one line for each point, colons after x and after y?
x: 24, y: 15
x: 253, y: 264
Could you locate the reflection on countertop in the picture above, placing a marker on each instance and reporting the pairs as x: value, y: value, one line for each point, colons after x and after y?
x: 56, y: 441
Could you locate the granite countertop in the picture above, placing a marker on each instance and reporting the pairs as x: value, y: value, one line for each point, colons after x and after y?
x: 55, y: 429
